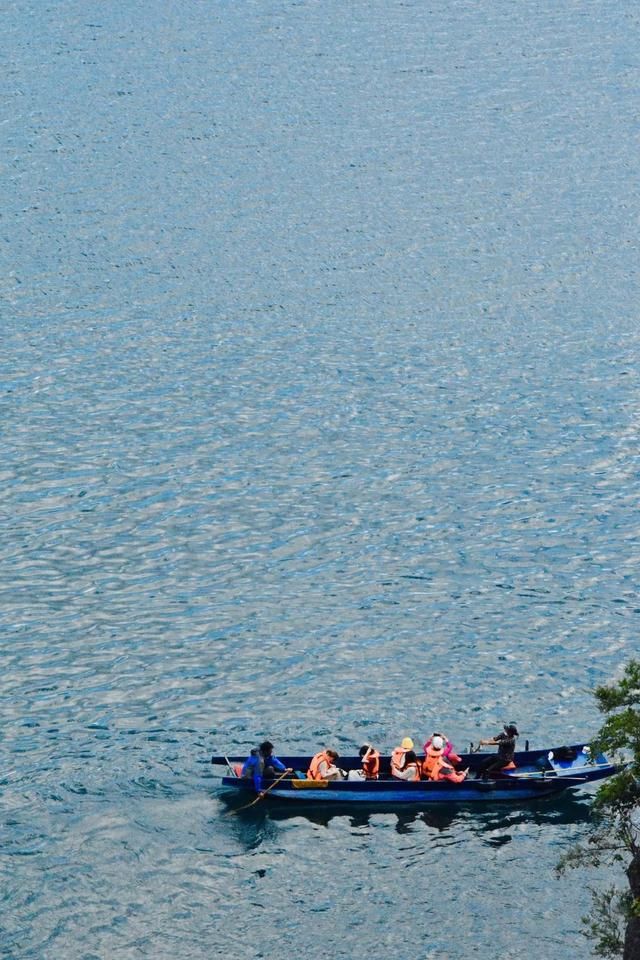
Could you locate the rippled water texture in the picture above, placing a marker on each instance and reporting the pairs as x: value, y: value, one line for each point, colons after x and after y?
x: 320, y: 421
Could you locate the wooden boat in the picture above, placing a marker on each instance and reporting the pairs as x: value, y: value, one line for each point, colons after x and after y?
x: 538, y: 773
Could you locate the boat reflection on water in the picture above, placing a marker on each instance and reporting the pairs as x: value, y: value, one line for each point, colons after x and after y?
x: 567, y: 809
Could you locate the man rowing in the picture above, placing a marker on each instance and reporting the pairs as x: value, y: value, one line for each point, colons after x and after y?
x: 506, y: 744
x: 262, y: 764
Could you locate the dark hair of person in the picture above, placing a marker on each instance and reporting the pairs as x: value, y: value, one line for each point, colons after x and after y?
x: 409, y: 757
x: 364, y: 748
x: 333, y: 753
x: 266, y: 747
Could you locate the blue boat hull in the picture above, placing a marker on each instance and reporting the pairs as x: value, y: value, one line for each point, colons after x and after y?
x: 392, y: 793
x: 535, y: 776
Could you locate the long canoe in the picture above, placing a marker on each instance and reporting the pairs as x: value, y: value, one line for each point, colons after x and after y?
x: 538, y: 773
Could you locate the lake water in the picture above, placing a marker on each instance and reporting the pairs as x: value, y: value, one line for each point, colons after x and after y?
x: 320, y: 407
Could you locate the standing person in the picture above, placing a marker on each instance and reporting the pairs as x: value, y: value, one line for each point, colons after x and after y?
x: 262, y: 764
x: 506, y: 744
x: 398, y: 754
x: 448, y: 752
x: 323, y: 766
x: 410, y: 769
x: 436, y: 766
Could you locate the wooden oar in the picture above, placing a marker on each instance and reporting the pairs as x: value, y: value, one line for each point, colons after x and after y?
x: 262, y: 793
x: 548, y: 776
x: 566, y: 779
x: 551, y: 774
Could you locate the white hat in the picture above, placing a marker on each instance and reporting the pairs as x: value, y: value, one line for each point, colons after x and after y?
x: 437, y: 742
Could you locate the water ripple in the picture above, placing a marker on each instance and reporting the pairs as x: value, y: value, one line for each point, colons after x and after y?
x: 319, y: 387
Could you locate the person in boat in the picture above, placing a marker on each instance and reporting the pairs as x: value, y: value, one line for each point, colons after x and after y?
x: 323, y: 766
x: 370, y: 758
x: 436, y: 766
x: 262, y: 764
x: 448, y: 752
x: 410, y: 769
x: 504, y: 759
x: 398, y: 755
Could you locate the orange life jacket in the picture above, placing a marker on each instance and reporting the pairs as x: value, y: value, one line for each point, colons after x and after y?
x: 313, y: 773
x: 371, y: 766
x: 413, y: 768
x: 397, y: 759
x: 434, y: 763
x: 447, y: 750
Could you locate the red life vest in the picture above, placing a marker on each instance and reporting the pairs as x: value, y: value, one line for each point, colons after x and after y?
x: 313, y: 773
x: 371, y: 766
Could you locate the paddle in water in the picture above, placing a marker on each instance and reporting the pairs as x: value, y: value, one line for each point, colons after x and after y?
x: 263, y: 793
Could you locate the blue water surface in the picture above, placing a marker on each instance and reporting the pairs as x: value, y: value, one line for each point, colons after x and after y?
x: 319, y: 389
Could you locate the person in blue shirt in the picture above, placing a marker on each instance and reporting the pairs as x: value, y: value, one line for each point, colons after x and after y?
x: 262, y: 764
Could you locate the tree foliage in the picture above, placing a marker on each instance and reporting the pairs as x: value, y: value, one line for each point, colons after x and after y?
x: 614, y: 919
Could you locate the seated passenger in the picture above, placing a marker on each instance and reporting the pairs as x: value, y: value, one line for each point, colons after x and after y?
x: 398, y: 754
x: 261, y: 763
x: 322, y: 766
x: 448, y: 753
x: 370, y: 764
x: 370, y: 761
x: 410, y: 769
x: 436, y: 766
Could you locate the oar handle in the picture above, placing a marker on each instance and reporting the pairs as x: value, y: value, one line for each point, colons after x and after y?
x: 263, y: 793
